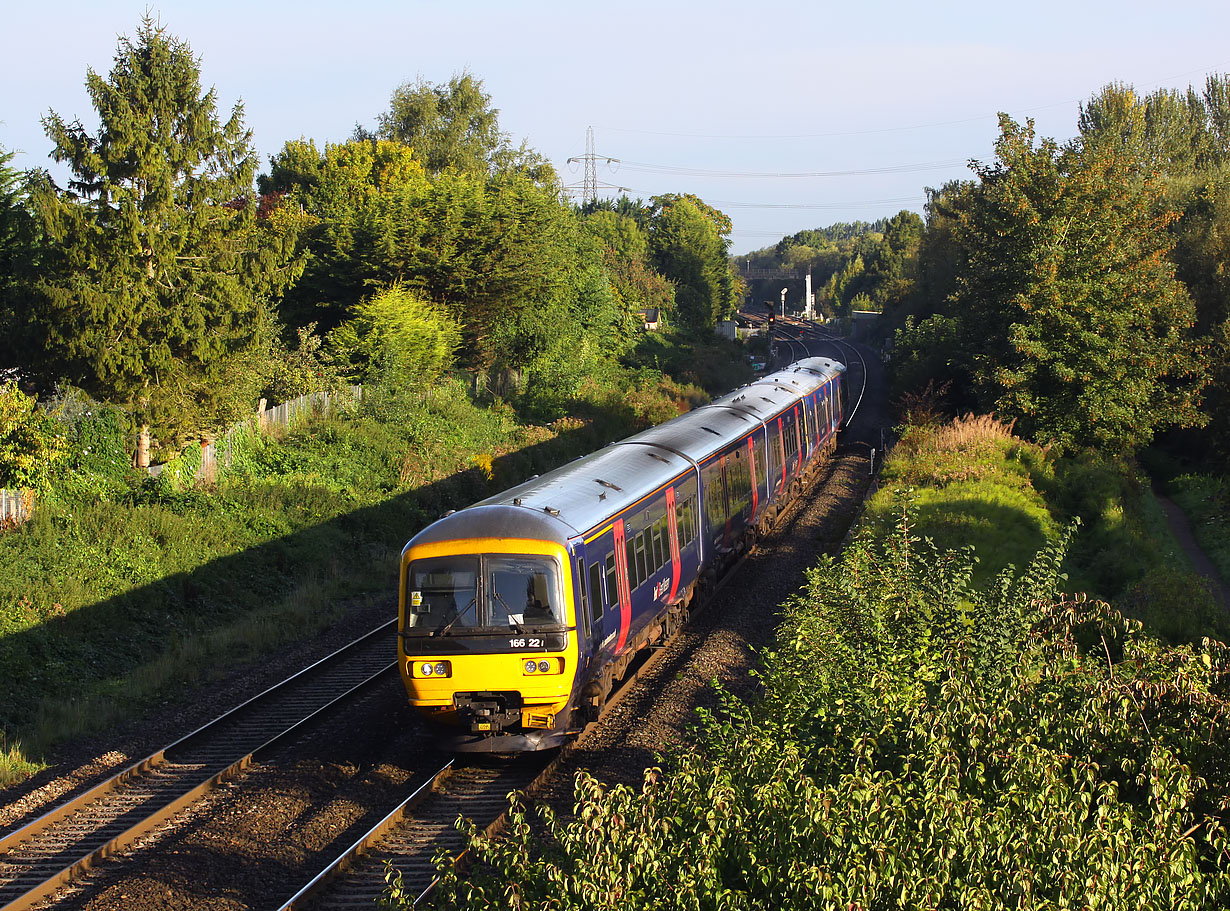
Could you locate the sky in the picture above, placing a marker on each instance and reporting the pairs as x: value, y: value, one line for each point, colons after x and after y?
x: 784, y: 115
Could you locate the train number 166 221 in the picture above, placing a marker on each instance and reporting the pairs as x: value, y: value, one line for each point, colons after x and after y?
x: 525, y: 643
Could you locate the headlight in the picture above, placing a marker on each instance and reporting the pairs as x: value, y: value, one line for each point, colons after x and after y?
x: 540, y: 666
x: 433, y: 669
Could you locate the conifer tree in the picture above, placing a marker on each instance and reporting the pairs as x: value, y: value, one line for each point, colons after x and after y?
x: 161, y: 268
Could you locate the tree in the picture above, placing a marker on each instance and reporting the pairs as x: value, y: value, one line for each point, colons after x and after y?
x: 688, y: 245
x: 358, y: 201
x: 162, y: 270
x: 1074, y: 322
x: 634, y: 282
x: 19, y: 260
x: 454, y: 126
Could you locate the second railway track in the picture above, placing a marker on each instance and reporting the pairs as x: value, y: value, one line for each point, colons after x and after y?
x: 62, y: 845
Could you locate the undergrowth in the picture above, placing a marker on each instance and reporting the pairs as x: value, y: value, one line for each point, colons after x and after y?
x: 922, y: 742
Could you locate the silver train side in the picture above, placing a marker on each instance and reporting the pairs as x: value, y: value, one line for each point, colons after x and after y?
x: 519, y: 614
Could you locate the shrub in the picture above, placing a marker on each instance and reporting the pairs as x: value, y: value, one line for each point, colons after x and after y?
x: 396, y: 337
x: 921, y: 743
x: 30, y: 442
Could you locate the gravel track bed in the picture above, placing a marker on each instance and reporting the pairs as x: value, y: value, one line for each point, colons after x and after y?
x: 253, y: 841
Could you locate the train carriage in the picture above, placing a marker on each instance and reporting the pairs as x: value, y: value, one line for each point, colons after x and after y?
x: 519, y: 614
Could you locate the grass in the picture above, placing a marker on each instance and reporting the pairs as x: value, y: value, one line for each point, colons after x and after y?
x: 973, y: 483
x: 123, y: 590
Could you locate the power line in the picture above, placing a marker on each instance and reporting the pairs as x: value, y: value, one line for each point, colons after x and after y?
x: 1164, y: 80
x: 788, y: 175
x: 864, y: 203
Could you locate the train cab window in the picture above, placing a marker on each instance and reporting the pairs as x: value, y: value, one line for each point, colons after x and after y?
x: 442, y: 592
x: 523, y: 591
x: 642, y: 571
x: 612, y: 584
x: 595, y: 589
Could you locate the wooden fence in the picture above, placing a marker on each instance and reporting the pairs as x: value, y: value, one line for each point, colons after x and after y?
x: 15, y: 507
x: 219, y: 453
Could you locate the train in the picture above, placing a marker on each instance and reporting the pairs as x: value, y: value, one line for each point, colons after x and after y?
x: 519, y: 615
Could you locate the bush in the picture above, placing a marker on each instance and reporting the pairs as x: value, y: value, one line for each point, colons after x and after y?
x: 30, y: 442
x: 396, y: 337
x: 921, y: 743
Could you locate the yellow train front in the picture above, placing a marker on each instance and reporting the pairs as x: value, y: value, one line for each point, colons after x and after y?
x: 488, y: 642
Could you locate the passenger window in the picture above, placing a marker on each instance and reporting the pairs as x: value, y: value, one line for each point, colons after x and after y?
x: 641, y: 570
x: 657, y: 547
x: 595, y: 589
x: 630, y: 555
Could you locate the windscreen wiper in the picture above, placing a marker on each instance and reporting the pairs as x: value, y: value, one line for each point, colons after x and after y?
x: 508, y: 613
x: 461, y: 613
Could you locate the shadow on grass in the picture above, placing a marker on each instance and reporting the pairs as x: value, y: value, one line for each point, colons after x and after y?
x: 101, y: 663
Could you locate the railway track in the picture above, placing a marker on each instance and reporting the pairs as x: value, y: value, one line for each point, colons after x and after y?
x: 64, y: 844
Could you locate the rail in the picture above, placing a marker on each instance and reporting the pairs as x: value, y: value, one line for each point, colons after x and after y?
x: 75, y: 836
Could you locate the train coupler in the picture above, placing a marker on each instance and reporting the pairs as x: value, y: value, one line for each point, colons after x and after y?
x: 488, y: 713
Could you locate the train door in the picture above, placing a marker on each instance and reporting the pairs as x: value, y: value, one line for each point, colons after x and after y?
x: 672, y: 528
x: 622, y: 586
x: 755, y: 482
x: 595, y: 596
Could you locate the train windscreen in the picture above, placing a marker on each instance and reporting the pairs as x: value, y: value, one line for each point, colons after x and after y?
x: 442, y: 592
x: 488, y: 591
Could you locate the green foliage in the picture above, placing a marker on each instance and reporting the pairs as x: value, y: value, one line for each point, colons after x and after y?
x: 504, y: 257
x: 305, y: 369
x: 854, y: 266
x: 688, y: 245
x: 30, y: 442
x: 1074, y: 324
x: 396, y: 337
x: 920, y: 743
x: 20, y: 255
x: 160, y: 265
x: 1167, y: 130
x: 97, y: 467
x: 455, y: 127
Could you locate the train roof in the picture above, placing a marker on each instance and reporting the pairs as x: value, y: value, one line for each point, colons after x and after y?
x: 698, y: 434
x: 578, y: 497
x: 806, y: 374
x: 567, y: 501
